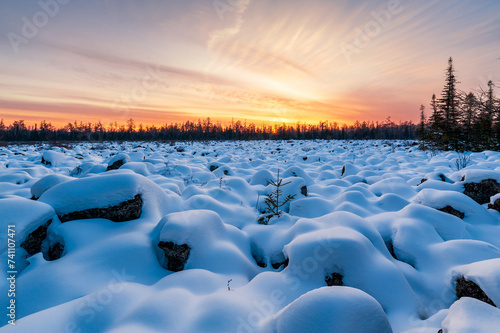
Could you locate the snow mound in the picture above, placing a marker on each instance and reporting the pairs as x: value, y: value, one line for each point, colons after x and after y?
x: 109, y: 190
x: 26, y: 215
x: 117, y: 161
x: 200, y: 239
x: 25, y: 224
x: 46, y: 183
x: 486, y: 274
x: 52, y: 158
x: 331, y: 309
x: 470, y: 315
x: 317, y: 256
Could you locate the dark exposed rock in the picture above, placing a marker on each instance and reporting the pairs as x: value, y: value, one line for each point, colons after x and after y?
x: 423, y: 180
x: 466, y: 288
x: 55, y: 252
x: 44, y: 161
x: 495, y: 205
x: 343, y: 170
x: 116, y: 165
x: 34, y: 198
x: 176, y: 255
x: 277, y: 265
x: 440, y: 331
x: 452, y: 211
x: 125, y: 211
x: 303, y: 190
x: 390, y: 248
x: 259, y: 262
x: 213, y: 168
x: 334, y: 279
x: 33, y: 242
x: 483, y: 191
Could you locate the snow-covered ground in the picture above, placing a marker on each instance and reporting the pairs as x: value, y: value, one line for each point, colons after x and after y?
x: 155, y: 237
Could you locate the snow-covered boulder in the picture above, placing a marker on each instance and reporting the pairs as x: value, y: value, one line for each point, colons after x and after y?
x: 349, y: 170
x: 118, y: 197
x: 46, y: 183
x: 495, y: 203
x: 454, y: 203
x: 87, y: 168
x: 16, y: 177
x: 394, y: 185
x: 24, y: 223
x: 479, y: 280
x: 261, y: 177
x: 137, y: 156
x: 117, y: 161
x: 362, y: 261
x: 199, y: 239
x: 52, y: 158
x: 470, y: 315
x: 295, y: 171
x: 437, y: 176
x: 141, y: 168
x: 481, y: 185
x: 331, y: 309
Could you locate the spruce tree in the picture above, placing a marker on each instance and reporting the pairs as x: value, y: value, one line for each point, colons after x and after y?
x: 484, y: 124
x: 469, y: 115
x: 449, y: 106
x: 436, y: 123
x: 496, y: 123
x: 421, y: 131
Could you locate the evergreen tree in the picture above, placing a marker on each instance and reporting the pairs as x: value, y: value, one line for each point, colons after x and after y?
x: 421, y: 131
x: 436, y: 123
x: 449, y: 106
x: 3, y: 129
x: 484, y: 124
x: 469, y: 115
x: 496, y: 123
x: 463, y: 121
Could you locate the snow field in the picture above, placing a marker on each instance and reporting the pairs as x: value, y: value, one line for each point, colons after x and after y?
x: 366, y: 245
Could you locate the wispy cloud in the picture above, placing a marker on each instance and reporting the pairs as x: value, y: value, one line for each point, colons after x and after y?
x: 231, y: 12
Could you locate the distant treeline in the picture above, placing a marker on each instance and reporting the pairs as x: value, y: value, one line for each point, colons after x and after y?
x: 205, y: 129
x: 461, y: 121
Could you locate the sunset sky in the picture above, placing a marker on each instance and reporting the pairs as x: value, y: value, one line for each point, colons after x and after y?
x: 162, y: 61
